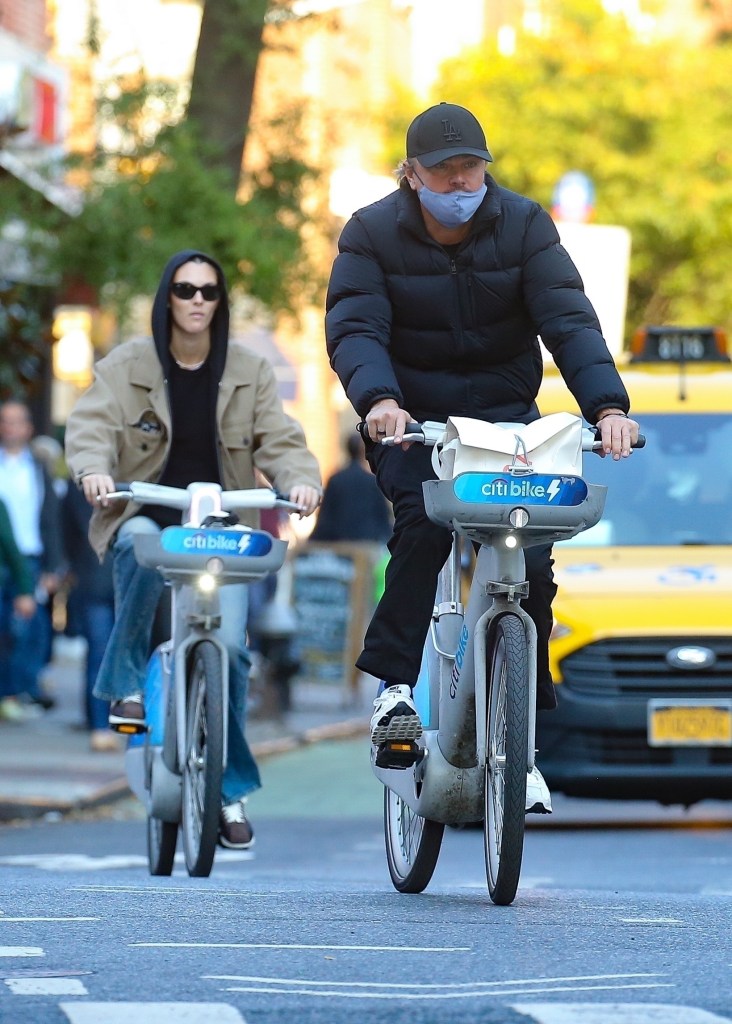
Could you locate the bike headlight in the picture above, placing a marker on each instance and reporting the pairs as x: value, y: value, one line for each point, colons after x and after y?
x: 511, y: 541
x: 206, y: 583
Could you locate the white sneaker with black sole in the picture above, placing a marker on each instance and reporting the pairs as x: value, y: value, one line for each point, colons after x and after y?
x: 538, y: 797
x: 395, y: 716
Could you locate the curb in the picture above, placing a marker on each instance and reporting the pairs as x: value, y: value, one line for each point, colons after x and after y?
x: 32, y: 808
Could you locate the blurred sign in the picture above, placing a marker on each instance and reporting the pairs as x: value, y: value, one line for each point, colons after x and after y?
x: 574, y: 198
x: 601, y: 253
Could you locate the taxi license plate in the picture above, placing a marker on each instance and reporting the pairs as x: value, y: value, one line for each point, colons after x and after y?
x: 690, y: 723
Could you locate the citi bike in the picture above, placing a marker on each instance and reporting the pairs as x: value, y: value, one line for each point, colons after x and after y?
x: 175, y: 764
x: 503, y: 487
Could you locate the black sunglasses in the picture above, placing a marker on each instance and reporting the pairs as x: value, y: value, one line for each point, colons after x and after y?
x: 186, y: 290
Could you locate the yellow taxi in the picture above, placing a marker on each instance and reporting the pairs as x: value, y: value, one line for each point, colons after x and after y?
x: 641, y: 650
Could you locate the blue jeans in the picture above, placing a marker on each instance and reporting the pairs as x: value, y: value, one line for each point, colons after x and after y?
x: 24, y: 643
x: 95, y: 623
x: 137, y: 591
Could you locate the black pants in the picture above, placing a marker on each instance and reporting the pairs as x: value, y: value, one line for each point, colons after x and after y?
x: 419, y: 548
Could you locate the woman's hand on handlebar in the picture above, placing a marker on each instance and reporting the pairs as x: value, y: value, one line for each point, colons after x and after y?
x: 386, y: 419
x: 96, y: 487
x: 617, y: 433
x: 306, y: 497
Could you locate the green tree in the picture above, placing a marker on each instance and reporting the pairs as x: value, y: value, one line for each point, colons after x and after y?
x: 648, y: 121
x: 168, y: 181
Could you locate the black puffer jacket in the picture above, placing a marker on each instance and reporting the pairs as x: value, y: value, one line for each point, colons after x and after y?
x: 457, y: 334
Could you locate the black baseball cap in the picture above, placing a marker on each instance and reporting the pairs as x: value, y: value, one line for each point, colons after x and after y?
x: 443, y: 131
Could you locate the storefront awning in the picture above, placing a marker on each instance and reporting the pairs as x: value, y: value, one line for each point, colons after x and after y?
x: 61, y: 196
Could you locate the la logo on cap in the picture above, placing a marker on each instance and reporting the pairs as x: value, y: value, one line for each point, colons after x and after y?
x: 450, y: 132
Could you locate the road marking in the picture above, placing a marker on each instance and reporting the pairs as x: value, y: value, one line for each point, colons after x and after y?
x: 193, y: 889
x: 46, y: 987
x: 74, y: 861
x: 651, y: 920
x: 110, y: 862
x: 420, y: 985
x: 16, y: 920
x: 458, y: 990
x: 537, y: 882
x: 21, y: 951
x: 616, y: 1013
x: 152, y: 1013
x: 482, y: 993
x: 298, y: 945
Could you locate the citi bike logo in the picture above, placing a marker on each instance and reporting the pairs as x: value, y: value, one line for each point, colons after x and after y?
x: 503, y: 488
x: 537, y: 489
x: 184, y: 541
x: 459, y: 658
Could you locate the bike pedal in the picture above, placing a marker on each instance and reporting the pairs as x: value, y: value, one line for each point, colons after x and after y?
x: 130, y: 730
x: 398, y: 754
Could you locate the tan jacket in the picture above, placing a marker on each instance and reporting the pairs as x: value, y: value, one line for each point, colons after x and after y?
x: 121, y: 426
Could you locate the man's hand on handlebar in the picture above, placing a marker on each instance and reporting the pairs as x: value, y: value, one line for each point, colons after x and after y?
x: 96, y: 487
x: 307, y: 498
x: 617, y: 433
x: 386, y: 419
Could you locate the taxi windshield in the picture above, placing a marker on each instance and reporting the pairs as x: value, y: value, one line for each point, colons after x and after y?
x: 676, y: 490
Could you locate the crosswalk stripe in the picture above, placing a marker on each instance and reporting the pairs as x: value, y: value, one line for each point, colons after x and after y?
x: 21, y: 951
x: 616, y: 1013
x: 46, y: 987
x: 152, y: 1013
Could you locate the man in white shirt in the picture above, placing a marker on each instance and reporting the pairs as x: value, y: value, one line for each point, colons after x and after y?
x: 33, y: 507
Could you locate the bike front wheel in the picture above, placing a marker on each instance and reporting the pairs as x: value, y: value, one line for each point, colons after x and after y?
x: 203, y: 764
x: 412, y: 844
x: 506, y: 758
x: 162, y: 838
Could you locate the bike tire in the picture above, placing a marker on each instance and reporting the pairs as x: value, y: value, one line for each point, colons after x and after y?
x: 506, y: 758
x: 162, y: 839
x: 412, y: 844
x: 204, y: 750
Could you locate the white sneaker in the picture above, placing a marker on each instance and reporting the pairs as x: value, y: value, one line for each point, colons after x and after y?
x: 538, y: 797
x: 395, y: 716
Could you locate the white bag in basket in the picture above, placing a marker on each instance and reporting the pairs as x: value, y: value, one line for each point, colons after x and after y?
x: 552, y: 444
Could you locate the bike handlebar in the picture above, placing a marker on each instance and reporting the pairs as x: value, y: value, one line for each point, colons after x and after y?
x: 180, y: 497
x: 431, y: 433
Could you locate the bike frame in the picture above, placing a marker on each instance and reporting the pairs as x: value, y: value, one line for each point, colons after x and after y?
x: 447, y: 783
x: 155, y: 769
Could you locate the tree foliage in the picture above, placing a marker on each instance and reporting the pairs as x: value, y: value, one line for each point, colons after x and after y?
x: 648, y: 121
x: 160, y: 180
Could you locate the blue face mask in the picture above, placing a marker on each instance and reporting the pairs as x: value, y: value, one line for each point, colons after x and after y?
x: 451, y: 209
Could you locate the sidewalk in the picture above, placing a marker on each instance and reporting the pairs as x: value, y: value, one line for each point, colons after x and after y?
x: 46, y: 764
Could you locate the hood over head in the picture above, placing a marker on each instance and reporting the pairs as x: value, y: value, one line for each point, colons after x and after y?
x: 161, y: 319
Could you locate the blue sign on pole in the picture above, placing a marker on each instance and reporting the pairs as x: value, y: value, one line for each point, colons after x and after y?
x: 574, y: 198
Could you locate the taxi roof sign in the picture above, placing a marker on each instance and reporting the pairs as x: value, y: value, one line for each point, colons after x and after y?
x: 670, y: 344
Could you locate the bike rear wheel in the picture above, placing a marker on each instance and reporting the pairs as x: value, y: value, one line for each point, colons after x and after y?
x: 506, y: 758
x: 162, y: 838
x: 412, y: 844
x: 202, y: 768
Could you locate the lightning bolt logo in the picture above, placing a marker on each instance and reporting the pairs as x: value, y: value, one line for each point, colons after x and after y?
x: 243, y: 544
x: 553, y: 489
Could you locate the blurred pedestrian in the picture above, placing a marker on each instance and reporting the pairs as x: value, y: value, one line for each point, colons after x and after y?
x: 91, y: 605
x: 34, y: 510
x: 353, y: 508
x: 16, y: 578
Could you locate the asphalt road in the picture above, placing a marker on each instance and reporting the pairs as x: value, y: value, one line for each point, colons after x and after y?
x: 612, y: 925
